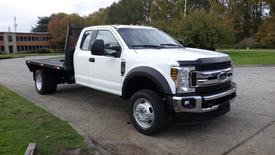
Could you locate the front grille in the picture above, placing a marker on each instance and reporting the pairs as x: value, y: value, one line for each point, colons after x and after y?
x: 213, y: 89
x: 213, y: 66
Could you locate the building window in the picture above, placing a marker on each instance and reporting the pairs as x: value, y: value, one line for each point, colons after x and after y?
x: 17, y: 38
x: 1, y: 38
x: 25, y: 39
x: 18, y: 48
x: 29, y: 38
x: 21, y: 39
x: 10, y: 38
x: 1, y: 49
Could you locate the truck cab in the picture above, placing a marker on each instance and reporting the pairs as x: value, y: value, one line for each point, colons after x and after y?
x: 161, y: 78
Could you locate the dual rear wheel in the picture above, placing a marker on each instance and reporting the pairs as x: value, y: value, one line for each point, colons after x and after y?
x: 45, y: 82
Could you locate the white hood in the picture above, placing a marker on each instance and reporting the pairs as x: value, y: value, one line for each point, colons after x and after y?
x: 178, y: 54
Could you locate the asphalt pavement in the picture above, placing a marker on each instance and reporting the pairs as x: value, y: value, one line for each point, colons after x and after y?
x: 249, y: 128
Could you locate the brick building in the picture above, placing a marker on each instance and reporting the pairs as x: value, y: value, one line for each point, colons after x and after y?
x: 11, y: 42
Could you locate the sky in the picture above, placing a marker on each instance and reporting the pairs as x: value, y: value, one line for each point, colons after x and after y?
x: 28, y: 11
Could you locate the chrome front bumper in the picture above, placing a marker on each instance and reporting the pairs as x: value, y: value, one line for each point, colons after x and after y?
x: 194, y: 104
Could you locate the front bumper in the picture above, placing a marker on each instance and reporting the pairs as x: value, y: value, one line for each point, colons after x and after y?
x: 202, y: 104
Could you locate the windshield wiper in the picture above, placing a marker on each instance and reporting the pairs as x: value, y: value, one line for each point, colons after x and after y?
x: 147, y: 46
x: 175, y: 45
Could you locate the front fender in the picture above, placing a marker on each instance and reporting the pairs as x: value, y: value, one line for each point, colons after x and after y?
x: 150, y: 73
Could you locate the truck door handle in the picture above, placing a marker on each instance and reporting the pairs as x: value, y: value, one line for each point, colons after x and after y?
x: 92, y: 59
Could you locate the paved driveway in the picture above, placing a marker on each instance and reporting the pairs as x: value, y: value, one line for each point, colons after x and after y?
x: 248, y: 129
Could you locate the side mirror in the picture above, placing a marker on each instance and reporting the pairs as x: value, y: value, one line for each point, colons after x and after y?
x: 116, y: 48
x: 98, y: 47
x: 114, y: 51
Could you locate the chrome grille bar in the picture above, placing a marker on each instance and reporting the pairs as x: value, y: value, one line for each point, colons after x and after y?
x: 208, y: 78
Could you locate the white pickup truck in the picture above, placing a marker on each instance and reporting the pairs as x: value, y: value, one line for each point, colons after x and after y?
x: 161, y: 78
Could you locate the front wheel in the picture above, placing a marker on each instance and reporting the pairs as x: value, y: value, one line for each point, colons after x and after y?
x: 147, y: 112
x: 45, y: 82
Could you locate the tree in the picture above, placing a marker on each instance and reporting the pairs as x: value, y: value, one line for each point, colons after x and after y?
x: 96, y: 18
x: 42, y: 24
x: 218, y: 8
x: 125, y: 12
x: 246, y: 15
x: 199, y: 4
x: 225, y: 19
x: 57, y: 27
x: 164, y: 13
x: 266, y: 33
x: 271, y: 7
x: 165, y: 10
x: 203, y: 30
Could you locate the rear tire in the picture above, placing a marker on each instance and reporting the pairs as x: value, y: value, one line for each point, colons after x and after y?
x: 45, y: 82
x: 147, y: 112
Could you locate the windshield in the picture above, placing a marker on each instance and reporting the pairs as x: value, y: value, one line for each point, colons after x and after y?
x: 147, y: 38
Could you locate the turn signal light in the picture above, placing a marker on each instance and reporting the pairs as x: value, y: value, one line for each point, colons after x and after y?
x: 174, y: 73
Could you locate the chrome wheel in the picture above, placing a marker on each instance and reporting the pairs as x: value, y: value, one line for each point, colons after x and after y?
x: 38, y: 81
x: 143, y: 113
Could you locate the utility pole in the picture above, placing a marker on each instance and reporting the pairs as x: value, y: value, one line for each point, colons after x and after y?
x: 15, y: 24
x: 146, y: 10
x: 185, y: 7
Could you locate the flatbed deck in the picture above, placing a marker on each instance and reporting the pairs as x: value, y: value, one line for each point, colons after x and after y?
x: 53, y: 63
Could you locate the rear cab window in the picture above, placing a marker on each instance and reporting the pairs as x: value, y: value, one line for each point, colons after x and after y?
x: 86, y: 40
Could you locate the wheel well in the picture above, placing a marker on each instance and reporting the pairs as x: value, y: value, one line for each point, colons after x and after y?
x: 138, y: 83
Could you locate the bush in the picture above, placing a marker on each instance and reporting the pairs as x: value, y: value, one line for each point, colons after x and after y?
x: 248, y: 43
x: 59, y: 51
x: 43, y: 51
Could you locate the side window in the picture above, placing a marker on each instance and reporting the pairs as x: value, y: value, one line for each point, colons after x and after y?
x: 109, y: 40
x: 10, y: 38
x: 86, y: 40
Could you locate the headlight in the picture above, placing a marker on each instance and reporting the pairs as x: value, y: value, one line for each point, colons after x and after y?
x: 181, y: 77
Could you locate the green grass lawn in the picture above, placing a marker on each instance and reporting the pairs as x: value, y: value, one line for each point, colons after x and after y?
x: 251, y: 57
x: 21, y: 55
x: 21, y: 123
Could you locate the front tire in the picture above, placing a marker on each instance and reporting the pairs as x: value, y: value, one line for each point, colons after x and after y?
x: 147, y: 112
x: 45, y: 83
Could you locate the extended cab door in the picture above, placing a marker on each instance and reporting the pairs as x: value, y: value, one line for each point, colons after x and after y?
x: 105, y: 71
x: 81, y: 57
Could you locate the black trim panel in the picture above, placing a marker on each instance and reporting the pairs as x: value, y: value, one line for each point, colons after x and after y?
x: 45, y: 63
x: 205, y: 61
